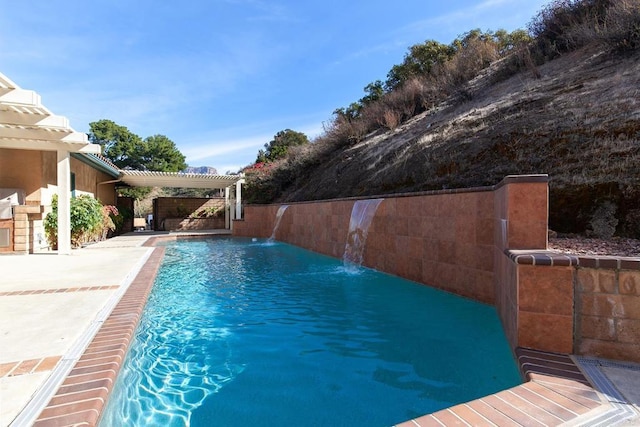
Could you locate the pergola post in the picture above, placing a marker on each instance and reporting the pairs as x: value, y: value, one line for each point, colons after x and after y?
x: 239, y: 199
x: 64, y: 202
x: 227, y: 208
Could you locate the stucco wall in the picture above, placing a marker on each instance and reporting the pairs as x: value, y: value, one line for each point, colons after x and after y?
x: 35, y: 172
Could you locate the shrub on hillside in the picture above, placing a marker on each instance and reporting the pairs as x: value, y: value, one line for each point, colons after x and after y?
x: 622, y: 26
x: 604, y: 222
x: 556, y: 26
x: 566, y: 25
x: 632, y: 223
x: 477, y: 54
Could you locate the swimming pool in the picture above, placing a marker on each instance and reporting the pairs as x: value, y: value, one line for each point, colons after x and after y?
x: 238, y: 332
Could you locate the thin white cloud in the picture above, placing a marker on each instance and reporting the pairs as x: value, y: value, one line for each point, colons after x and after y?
x: 489, y: 15
x: 211, y: 150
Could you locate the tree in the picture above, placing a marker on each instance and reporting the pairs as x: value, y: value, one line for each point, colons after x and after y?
x: 161, y: 154
x: 127, y: 150
x: 279, y: 146
x: 509, y: 41
x: 121, y: 146
x: 374, y: 92
x: 419, y: 61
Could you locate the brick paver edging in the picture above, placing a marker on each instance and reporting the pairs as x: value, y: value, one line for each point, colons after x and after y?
x: 556, y: 392
x: 83, y: 394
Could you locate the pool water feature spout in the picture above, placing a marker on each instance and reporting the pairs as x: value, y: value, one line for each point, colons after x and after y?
x: 279, y: 215
x: 361, y: 216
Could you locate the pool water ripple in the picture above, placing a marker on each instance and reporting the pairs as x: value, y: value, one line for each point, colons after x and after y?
x: 238, y: 332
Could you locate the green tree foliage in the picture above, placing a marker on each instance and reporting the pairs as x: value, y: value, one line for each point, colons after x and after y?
x: 349, y: 113
x: 419, y: 61
x: 161, y: 154
x: 508, y: 41
x: 127, y: 150
x: 374, y: 92
x: 123, y: 147
x: 279, y: 146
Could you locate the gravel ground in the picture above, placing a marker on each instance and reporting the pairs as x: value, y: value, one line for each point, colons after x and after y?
x: 616, y: 246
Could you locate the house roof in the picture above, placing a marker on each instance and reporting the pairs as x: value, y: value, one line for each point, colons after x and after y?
x: 28, y: 125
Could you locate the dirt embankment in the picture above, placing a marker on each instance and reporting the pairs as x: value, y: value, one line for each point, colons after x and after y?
x: 579, y: 122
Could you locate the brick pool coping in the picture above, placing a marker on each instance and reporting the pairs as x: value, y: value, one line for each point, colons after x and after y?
x: 551, y: 258
x: 556, y: 391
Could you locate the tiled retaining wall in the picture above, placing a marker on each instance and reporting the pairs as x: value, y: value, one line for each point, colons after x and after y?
x: 444, y: 239
x: 576, y: 304
x: 608, y: 308
x: 488, y: 244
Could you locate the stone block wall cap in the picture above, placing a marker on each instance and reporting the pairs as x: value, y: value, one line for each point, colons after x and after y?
x: 609, y: 262
x: 541, y: 257
x: 552, y: 258
x: 518, y: 179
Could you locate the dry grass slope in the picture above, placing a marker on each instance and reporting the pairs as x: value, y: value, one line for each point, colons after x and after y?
x: 566, y: 104
x: 579, y: 122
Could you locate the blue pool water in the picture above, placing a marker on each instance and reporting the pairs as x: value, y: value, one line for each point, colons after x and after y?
x: 239, y: 332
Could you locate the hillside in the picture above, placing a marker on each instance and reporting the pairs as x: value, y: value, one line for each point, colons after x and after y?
x: 577, y: 119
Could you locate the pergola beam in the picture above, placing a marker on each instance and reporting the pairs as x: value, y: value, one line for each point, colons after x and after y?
x: 35, y: 133
x: 20, y: 96
x: 17, y: 116
x: 45, y: 145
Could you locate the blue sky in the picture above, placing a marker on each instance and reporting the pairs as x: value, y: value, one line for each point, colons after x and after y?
x: 221, y: 77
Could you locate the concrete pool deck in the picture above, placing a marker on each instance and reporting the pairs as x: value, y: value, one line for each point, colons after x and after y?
x: 57, y: 310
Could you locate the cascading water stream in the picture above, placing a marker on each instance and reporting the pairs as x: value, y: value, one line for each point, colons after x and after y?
x: 279, y: 215
x: 361, y: 216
